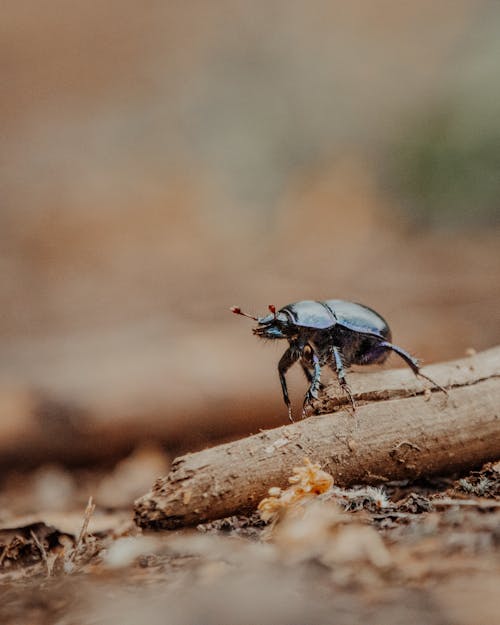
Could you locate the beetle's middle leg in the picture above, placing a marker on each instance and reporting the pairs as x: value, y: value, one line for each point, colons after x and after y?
x: 309, y: 375
x: 337, y: 366
x: 310, y: 357
x: 286, y: 361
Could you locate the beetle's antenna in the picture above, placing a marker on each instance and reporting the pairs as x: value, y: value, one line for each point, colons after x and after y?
x: 237, y: 311
x: 272, y: 308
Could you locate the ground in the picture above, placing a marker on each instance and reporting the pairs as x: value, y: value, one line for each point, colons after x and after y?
x: 426, y: 552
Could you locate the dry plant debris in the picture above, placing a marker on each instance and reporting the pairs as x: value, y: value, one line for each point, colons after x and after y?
x: 306, y: 482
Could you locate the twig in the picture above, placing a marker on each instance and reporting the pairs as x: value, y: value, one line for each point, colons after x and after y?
x: 444, y: 434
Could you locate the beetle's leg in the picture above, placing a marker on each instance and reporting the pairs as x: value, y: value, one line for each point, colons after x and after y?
x: 411, y: 362
x: 309, y: 375
x: 312, y: 391
x: 286, y: 361
x: 338, y: 367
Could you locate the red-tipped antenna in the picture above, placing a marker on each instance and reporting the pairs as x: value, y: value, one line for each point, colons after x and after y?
x: 272, y: 308
x: 237, y: 311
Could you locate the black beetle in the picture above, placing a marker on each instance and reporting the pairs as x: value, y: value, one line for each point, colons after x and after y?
x: 334, y: 333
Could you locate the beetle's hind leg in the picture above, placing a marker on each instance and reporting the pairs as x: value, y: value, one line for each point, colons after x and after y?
x: 337, y: 367
x: 412, y: 363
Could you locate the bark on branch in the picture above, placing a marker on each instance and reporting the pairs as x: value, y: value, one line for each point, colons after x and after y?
x: 400, y: 431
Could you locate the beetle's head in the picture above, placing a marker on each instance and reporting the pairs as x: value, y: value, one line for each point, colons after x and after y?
x: 273, y: 326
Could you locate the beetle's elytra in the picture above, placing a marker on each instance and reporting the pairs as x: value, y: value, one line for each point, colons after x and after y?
x: 334, y: 333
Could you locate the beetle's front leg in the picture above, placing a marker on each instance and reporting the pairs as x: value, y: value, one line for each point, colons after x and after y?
x: 309, y: 355
x: 286, y: 361
x: 337, y: 366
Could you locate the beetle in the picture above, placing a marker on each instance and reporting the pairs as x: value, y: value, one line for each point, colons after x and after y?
x: 334, y: 332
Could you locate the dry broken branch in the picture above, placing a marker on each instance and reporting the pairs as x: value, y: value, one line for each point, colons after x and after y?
x: 400, y: 431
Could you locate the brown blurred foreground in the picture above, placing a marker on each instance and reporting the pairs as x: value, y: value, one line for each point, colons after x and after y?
x: 423, y: 554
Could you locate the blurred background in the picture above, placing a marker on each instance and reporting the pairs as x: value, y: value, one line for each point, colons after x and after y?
x: 161, y: 162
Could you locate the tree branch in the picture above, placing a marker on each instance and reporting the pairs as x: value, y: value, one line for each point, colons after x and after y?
x: 400, y: 431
